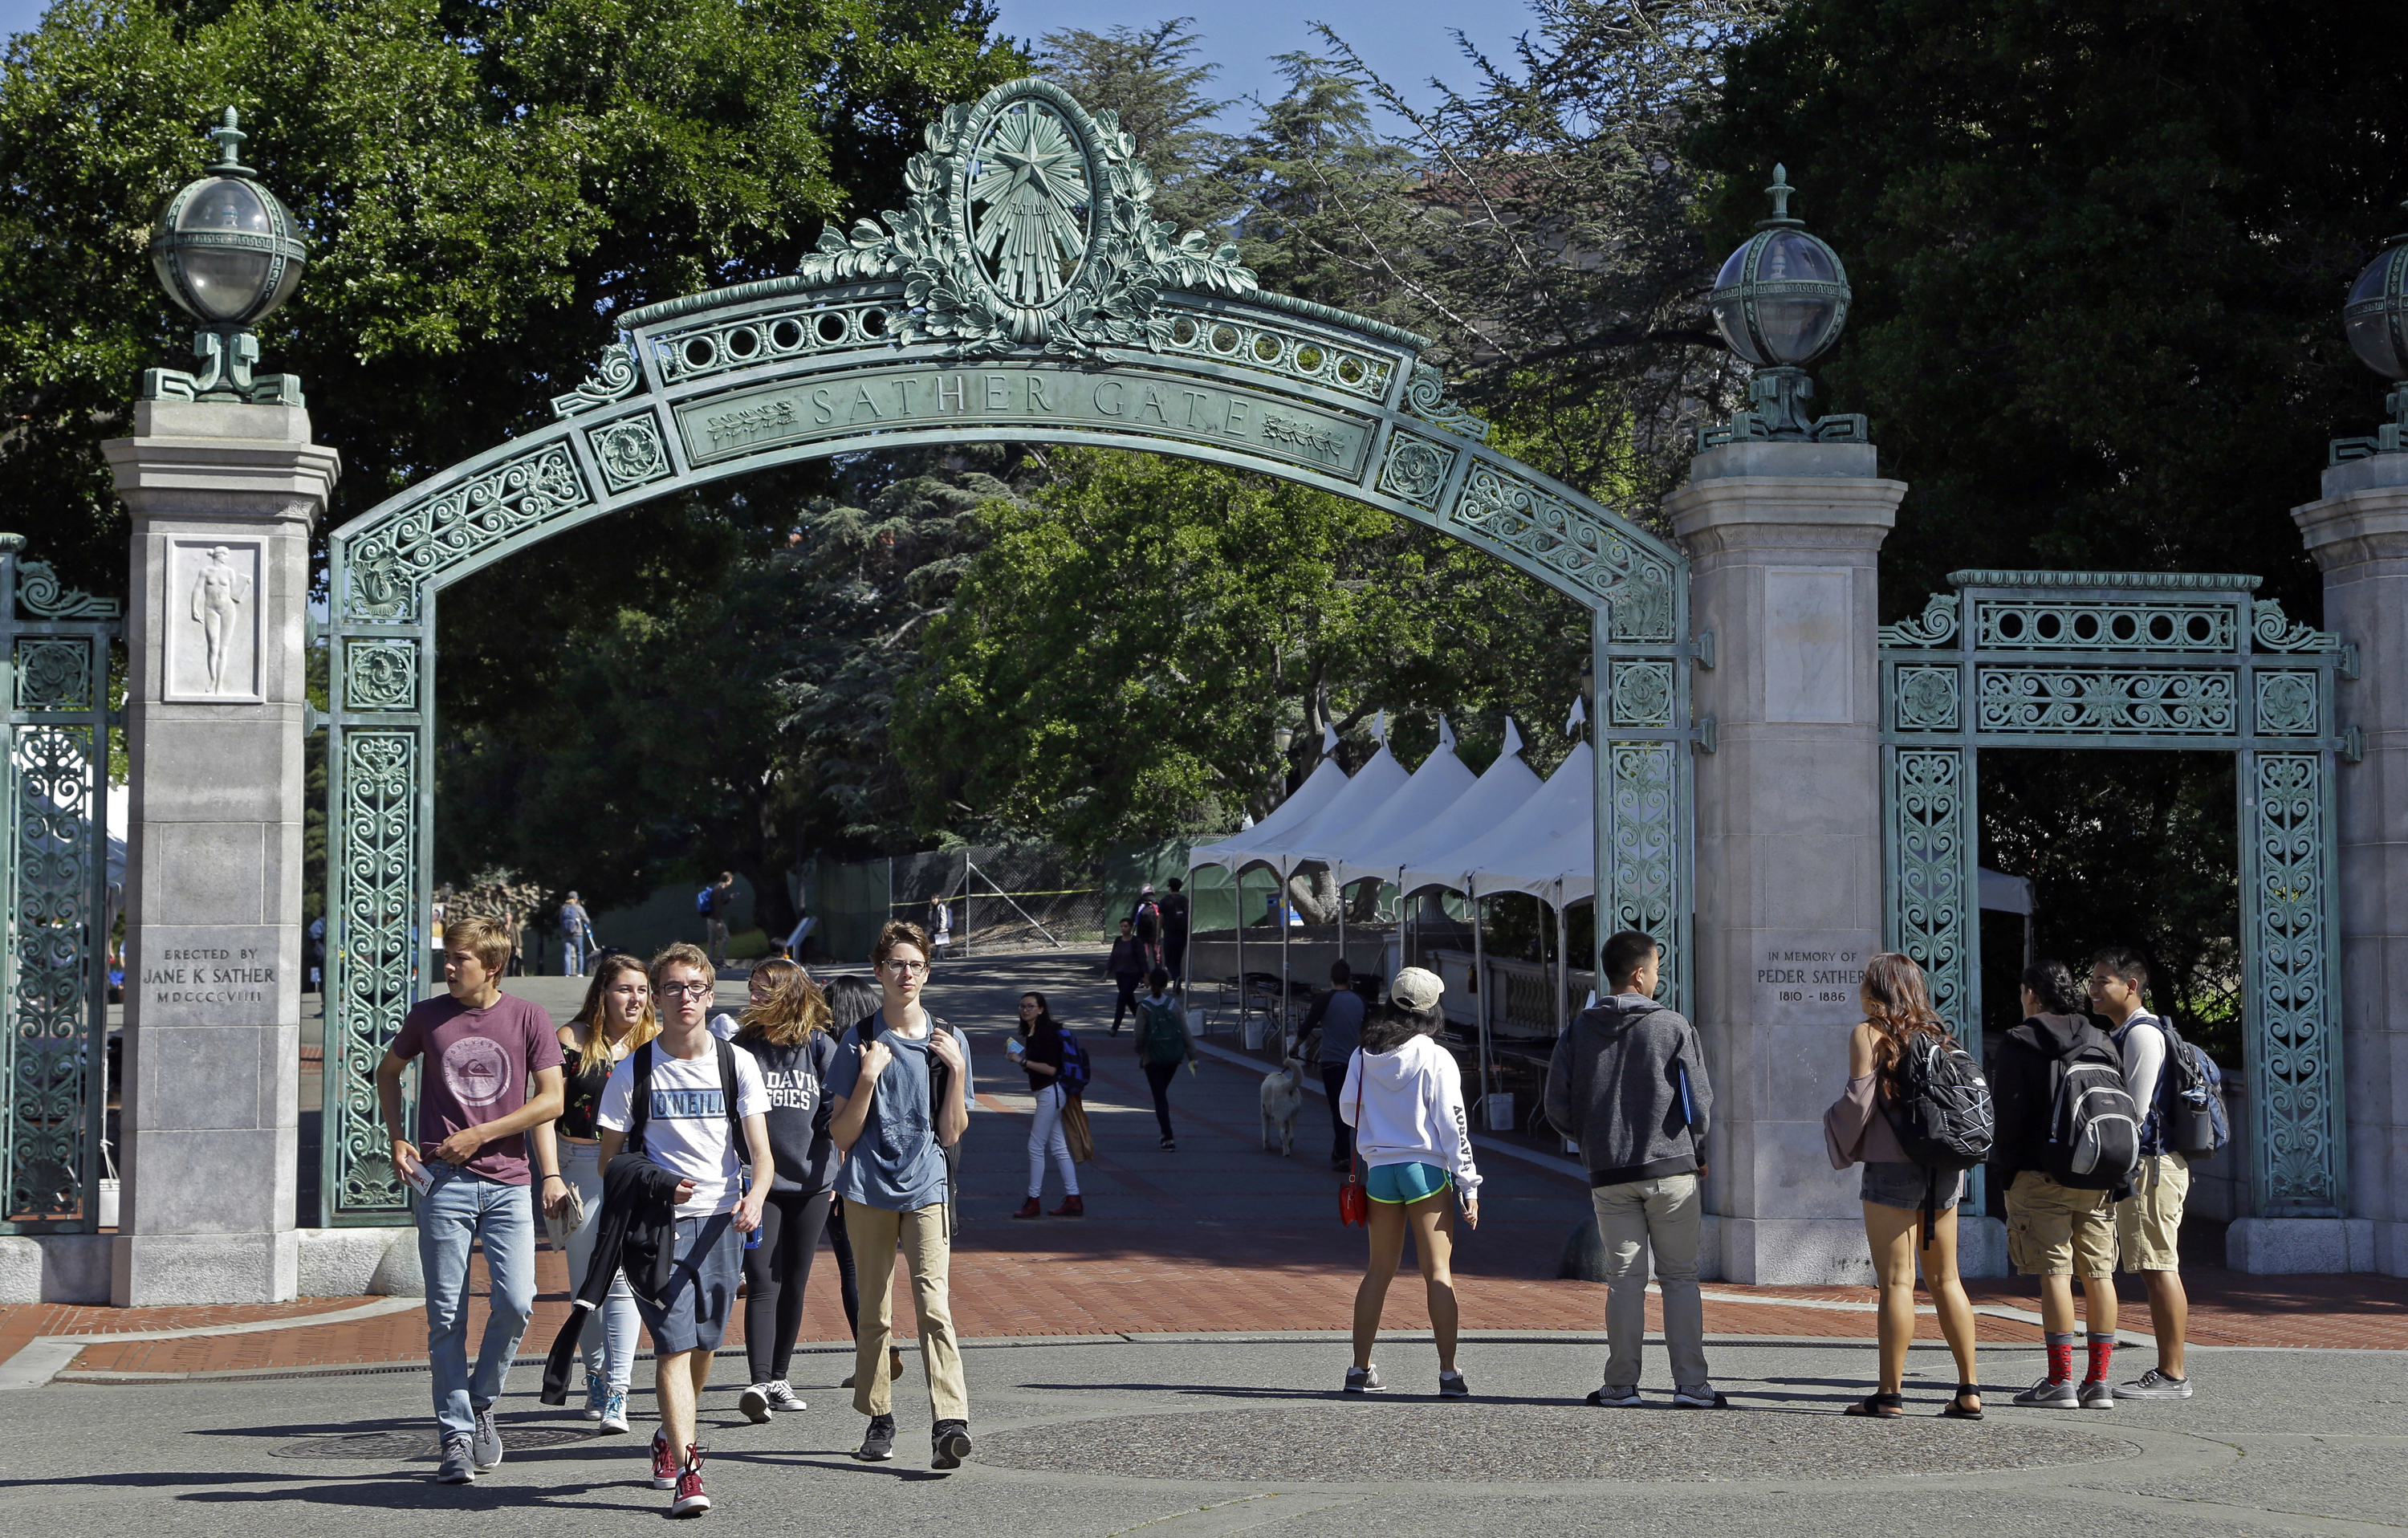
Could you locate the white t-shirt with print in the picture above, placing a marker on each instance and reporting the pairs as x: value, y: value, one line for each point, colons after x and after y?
x: 688, y: 1133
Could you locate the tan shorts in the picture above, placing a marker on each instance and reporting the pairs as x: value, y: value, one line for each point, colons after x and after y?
x: 2149, y: 1223
x: 2059, y: 1231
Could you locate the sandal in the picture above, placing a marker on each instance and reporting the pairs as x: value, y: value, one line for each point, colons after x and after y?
x: 1880, y: 1406
x: 1955, y: 1408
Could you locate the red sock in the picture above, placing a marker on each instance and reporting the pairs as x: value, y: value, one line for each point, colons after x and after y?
x: 2060, y: 1357
x: 2103, y: 1348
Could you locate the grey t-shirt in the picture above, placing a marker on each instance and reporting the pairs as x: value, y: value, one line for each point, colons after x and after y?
x: 1341, y: 1026
x: 897, y: 1164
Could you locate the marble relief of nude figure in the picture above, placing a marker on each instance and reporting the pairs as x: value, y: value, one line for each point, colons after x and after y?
x: 218, y: 593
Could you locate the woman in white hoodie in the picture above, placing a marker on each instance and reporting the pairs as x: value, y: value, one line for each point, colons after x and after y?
x: 1403, y: 1096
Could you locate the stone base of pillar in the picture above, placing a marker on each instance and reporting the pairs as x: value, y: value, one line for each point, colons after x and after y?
x: 54, y: 1269
x: 2297, y: 1247
x: 156, y: 1269
x: 1831, y: 1251
x: 361, y: 1262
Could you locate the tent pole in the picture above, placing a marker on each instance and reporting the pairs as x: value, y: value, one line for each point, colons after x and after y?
x: 1238, y: 881
x: 1342, y: 918
x: 1479, y: 992
x: 1563, y: 973
x: 1279, y: 916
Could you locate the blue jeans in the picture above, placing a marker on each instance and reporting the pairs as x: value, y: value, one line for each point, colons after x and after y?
x: 460, y: 1208
x: 575, y: 952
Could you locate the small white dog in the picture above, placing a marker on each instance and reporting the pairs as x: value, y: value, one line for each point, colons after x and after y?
x: 1282, y: 1095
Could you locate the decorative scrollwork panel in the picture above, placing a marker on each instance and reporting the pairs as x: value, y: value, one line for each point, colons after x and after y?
x: 391, y: 559
x: 374, y: 965
x: 1930, y: 837
x: 2189, y: 702
x: 54, y: 673
x: 1497, y: 507
x: 2287, y: 704
x: 1641, y: 695
x: 1641, y: 886
x: 380, y: 675
x: 2298, y: 1109
x: 1925, y: 698
x: 51, y: 1013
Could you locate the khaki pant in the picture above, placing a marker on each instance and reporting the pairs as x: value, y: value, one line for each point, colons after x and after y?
x: 927, y: 1252
x: 2149, y: 1223
x: 2059, y: 1231
x: 1633, y: 1218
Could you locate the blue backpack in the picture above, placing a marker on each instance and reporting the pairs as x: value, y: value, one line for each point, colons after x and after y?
x: 2188, y: 1117
x: 702, y: 902
x: 1075, y: 1074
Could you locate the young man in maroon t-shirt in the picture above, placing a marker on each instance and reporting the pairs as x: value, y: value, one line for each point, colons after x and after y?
x: 493, y: 1071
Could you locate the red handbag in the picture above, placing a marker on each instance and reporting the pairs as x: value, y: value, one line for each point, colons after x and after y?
x: 1355, y: 1198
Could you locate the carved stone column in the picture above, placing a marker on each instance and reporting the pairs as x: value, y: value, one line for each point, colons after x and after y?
x: 2357, y: 532
x: 223, y: 497
x: 1783, y: 539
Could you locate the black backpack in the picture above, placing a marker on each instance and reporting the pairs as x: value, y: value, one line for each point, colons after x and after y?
x: 1939, y: 1104
x: 639, y: 1107
x: 2189, y: 1109
x: 2094, y: 1128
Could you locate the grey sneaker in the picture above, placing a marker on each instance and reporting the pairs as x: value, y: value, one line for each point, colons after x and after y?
x: 2153, y: 1384
x: 755, y: 1403
x: 949, y: 1442
x: 1452, y: 1385
x: 782, y: 1395
x: 2096, y: 1394
x: 459, y: 1462
x: 488, y: 1441
x: 1365, y: 1380
x: 878, y: 1442
x: 1616, y: 1399
x: 1706, y: 1398
x: 2050, y: 1394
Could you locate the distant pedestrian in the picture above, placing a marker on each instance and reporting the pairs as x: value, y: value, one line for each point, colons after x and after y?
x: 2062, y: 1220
x: 851, y: 998
x: 902, y: 1100
x: 1856, y: 1129
x: 715, y: 903
x: 1039, y: 1045
x: 615, y: 1019
x: 667, y: 1101
x: 1162, y: 1046
x: 1403, y: 1094
x: 1628, y: 1083
x: 1147, y: 919
x: 2149, y: 1223
x: 940, y: 926
x: 786, y: 1031
x: 1339, y: 1017
x: 1174, y: 932
x: 518, y: 956
x: 313, y: 953
x: 495, y: 1073
x: 1128, y: 966
x: 576, y: 937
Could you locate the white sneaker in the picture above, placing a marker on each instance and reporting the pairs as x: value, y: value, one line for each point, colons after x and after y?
x: 1705, y: 1398
x: 2153, y: 1384
x: 755, y: 1403
x: 783, y: 1396
x: 614, y: 1415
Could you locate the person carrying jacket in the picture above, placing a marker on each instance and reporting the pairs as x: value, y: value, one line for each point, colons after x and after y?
x: 1628, y: 1083
x: 2059, y: 1224
x: 634, y: 1232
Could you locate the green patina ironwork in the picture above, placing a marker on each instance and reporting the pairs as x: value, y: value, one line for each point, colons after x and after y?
x: 1780, y: 301
x: 1025, y: 293
x: 2179, y: 661
x: 54, y: 652
x: 229, y: 253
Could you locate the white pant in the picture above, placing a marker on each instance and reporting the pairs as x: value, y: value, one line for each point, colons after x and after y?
x: 1046, y: 1136
x: 608, y: 1343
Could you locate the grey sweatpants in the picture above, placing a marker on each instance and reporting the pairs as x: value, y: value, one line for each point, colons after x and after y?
x: 1663, y: 1215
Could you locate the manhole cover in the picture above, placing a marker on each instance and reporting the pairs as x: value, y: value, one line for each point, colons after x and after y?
x: 405, y: 1446
x: 1365, y: 1443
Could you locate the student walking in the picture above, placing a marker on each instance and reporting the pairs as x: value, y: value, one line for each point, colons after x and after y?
x: 786, y: 1031
x: 669, y: 1100
x: 715, y: 903
x: 941, y: 925
x: 1174, y: 932
x: 1339, y: 1014
x: 493, y: 1071
x: 1856, y: 1129
x: 1128, y: 966
x: 615, y: 1019
x: 2056, y: 1074
x: 1041, y: 1055
x: 903, y: 1099
x: 1403, y: 1094
x: 576, y: 937
x: 2149, y: 1223
x: 1628, y: 1082
x: 1147, y: 918
x: 851, y: 999
x: 1162, y: 1046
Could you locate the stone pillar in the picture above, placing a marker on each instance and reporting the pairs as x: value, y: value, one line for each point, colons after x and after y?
x: 2357, y: 532
x: 1783, y: 539
x: 223, y: 497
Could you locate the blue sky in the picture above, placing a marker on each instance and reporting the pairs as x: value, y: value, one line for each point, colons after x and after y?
x: 1405, y: 39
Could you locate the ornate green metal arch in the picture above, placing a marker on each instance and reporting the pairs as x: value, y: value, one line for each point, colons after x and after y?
x: 1025, y: 293
x: 2164, y: 660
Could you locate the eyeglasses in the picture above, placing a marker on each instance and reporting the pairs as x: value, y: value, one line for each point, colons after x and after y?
x: 685, y: 990
x: 909, y: 969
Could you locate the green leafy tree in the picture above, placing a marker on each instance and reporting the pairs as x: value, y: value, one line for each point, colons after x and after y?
x: 1149, y: 75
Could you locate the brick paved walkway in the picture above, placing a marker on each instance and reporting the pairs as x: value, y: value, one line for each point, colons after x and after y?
x: 1218, y: 1236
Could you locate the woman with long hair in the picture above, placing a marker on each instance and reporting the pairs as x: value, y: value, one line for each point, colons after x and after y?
x: 1041, y: 1055
x: 1857, y: 1130
x: 785, y: 1029
x: 1403, y: 1096
x: 615, y: 1019
x: 851, y: 998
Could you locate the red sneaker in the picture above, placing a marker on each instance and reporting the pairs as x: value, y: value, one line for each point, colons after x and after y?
x: 689, y: 1499
x: 664, y: 1463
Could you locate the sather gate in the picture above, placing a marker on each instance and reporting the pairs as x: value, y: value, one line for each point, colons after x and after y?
x: 1025, y: 293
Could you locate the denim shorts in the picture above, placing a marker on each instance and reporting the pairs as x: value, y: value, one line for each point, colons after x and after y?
x: 1397, y: 1184
x: 702, y: 1290
x: 1893, y: 1184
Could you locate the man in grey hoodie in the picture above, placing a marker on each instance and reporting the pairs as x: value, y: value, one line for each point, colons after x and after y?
x: 1628, y: 1083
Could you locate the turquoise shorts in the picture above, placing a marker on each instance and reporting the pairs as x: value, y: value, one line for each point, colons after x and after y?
x: 1397, y: 1184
